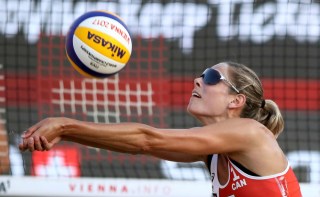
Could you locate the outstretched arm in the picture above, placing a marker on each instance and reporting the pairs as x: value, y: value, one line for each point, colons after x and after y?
x: 124, y: 137
x: 136, y: 138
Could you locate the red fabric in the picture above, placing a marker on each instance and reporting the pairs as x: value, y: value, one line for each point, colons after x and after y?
x: 282, y: 185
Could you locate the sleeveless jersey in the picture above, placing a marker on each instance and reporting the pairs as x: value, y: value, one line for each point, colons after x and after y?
x: 241, y: 184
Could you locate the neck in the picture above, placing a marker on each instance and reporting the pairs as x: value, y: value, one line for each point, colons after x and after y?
x: 206, y: 120
x: 211, y: 120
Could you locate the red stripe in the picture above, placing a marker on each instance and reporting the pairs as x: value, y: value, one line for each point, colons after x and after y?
x: 293, y: 94
x: 20, y: 90
x: 289, y: 94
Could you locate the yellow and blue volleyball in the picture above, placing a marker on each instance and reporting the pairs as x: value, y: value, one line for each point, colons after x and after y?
x: 98, y: 44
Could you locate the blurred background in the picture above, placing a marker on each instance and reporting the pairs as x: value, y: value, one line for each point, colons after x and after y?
x: 173, y: 42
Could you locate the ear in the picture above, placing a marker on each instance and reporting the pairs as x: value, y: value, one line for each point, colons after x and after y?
x: 237, y: 101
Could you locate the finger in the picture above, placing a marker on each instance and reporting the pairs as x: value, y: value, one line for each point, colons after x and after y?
x: 30, y: 145
x: 30, y: 131
x: 21, y: 147
x: 45, y: 143
x: 24, y: 145
x: 37, y: 143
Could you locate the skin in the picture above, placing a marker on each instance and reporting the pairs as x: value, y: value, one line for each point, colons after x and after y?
x: 224, y: 132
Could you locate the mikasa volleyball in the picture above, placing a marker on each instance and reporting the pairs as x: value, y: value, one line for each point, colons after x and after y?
x: 98, y: 44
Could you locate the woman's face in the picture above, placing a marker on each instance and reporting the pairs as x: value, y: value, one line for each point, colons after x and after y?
x: 209, y: 103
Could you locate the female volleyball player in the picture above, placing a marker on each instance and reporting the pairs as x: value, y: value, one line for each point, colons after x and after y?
x: 237, y: 142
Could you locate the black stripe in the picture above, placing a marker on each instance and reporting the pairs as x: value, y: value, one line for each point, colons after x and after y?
x: 244, y: 169
x: 208, y: 163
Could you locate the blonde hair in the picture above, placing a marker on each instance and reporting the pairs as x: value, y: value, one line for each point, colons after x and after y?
x: 264, y: 111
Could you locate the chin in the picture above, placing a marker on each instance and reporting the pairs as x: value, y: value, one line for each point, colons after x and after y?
x: 192, y: 112
x: 189, y: 109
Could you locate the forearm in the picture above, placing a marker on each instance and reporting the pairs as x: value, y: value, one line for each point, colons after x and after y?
x: 130, y: 138
x: 121, y: 137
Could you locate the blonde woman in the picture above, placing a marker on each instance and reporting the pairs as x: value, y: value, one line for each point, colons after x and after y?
x: 238, y: 139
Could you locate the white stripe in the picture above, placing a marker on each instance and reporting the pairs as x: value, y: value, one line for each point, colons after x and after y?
x: 282, y: 188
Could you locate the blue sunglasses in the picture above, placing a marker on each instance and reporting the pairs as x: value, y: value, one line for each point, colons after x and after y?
x: 211, y: 77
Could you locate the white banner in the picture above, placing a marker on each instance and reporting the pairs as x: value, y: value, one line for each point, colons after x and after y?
x: 173, y: 20
x: 112, y: 187
x: 35, y: 186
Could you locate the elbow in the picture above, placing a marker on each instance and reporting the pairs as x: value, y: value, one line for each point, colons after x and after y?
x: 142, y: 148
x: 145, y: 149
x: 149, y: 141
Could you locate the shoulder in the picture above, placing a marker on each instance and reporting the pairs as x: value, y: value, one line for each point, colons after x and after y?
x: 233, y: 135
x: 254, y: 131
x: 241, y: 125
x: 251, y: 126
x: 250, y: 133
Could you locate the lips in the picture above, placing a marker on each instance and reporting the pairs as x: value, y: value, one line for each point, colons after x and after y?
x: 196, y: 94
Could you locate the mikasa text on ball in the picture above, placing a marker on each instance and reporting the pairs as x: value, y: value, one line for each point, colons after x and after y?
x: 98, y: 44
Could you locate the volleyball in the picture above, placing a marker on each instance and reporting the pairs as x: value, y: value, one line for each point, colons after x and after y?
x: 98, y: 44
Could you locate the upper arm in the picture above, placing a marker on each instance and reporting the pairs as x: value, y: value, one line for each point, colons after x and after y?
x: 177, y: 156
x: 231, y: 135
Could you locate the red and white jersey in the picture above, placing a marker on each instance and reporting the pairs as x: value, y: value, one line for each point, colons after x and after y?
x: 239, y: 184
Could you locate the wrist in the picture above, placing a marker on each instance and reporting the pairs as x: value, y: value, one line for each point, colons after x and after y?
x: 68, y: 127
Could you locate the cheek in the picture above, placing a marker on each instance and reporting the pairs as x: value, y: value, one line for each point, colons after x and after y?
x: 216, y: 106
x: 217, y: 102
x: 197, y: 107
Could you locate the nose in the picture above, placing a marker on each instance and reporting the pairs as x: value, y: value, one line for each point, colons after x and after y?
x: 197, y: 81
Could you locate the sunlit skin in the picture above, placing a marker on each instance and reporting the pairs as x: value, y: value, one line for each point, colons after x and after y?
x: 218, y: 102
x: 217, y: 107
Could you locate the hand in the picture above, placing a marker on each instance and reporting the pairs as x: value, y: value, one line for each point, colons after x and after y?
x: 43, y: 135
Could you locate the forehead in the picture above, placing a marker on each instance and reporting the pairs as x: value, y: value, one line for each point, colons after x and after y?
x: 222, y: 68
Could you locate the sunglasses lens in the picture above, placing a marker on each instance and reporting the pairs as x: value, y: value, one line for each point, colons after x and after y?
x: 211, y: 76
